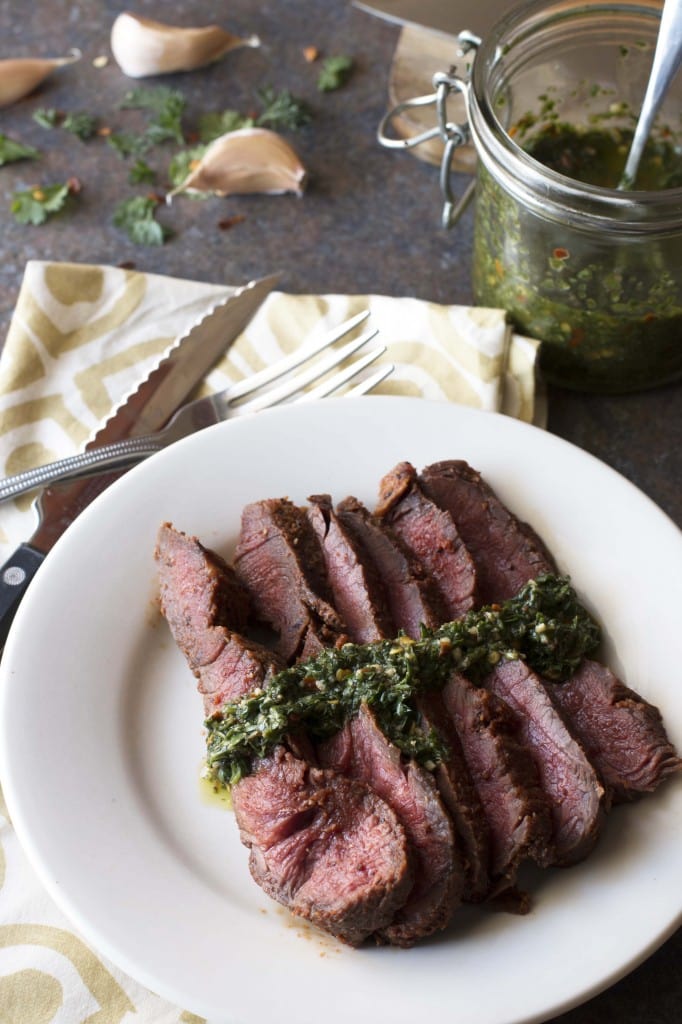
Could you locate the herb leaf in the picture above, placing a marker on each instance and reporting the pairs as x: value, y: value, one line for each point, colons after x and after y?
x: 217, y: 123
x: 183, y: 162
x: 81, y: 124
x: 126, y: 144
x: 35, y: 205
x: 334, y: 73
x: 141, y: 173
x: 47, y: 117
x: 136, y: 217
x: 166, y: 104
x: 282, y: 110
x: 11, y: 151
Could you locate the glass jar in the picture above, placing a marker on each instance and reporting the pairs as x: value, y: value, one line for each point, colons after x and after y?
x: 594, y: 272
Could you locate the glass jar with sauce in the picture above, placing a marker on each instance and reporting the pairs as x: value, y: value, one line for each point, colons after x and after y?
x: 593, y: 271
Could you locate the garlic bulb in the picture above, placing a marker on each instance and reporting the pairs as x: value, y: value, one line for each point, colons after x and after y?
x: 245, y: 161
x: 20, y: 76
x: 143, y: 47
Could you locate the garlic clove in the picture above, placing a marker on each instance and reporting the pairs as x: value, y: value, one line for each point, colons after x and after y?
x: 143, y: 47
x: 246, y: 161
x: 19, y: 76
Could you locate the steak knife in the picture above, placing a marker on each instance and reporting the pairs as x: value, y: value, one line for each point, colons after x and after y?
x: 147, y: 409
x: 447, y: 17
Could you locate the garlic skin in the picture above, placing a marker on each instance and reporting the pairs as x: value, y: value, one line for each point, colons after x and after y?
x: 21, y: 75
x: 246, y: 161
x: 143, y: 48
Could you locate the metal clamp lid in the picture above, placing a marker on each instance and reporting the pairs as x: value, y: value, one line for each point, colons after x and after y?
x: 452, y: 134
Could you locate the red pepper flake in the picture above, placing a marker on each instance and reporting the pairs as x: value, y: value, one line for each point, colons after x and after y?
x: 229, y: 222
x: 560, y: 254
x: 126, y: 265
x: 649, y: 317
x: 311, y: 53
x: 577, y: 337
x: 75, y: 186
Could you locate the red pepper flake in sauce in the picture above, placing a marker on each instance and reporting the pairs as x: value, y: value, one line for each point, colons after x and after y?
x: 560, y: 254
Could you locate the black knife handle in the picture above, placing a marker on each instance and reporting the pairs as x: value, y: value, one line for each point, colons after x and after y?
x: 15, y: 576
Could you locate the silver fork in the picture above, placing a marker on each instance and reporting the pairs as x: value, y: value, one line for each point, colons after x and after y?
x: 205, y: 412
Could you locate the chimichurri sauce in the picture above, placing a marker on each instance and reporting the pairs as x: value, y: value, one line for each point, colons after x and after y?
x: 597, y: 155
x: 544, y: 624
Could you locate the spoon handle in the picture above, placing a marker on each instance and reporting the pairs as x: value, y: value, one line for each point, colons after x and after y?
x: 667, y: 58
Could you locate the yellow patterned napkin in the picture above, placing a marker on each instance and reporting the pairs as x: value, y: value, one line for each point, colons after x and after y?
x: 82, y: 337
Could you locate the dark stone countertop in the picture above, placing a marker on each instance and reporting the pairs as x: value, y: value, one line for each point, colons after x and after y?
x: 369, y: 222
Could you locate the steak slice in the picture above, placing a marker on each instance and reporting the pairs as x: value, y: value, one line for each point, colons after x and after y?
x: 412, y: 597
x: 623, y: 735
x: 505, y: 775
x: 356, y: 587
x: 325, y: 846
x: 280, y: 562
x: 201, y: 598
x: 460, y: 797
x: 430, y: 534
x: 361, y: 751
x: 506, y: 551
x: 575, y: 792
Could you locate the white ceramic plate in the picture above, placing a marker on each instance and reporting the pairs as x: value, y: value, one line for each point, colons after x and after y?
x: 102, y: 738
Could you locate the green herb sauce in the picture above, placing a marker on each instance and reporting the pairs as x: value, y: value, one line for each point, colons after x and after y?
x: 544, y: 623
x: 607, y: 306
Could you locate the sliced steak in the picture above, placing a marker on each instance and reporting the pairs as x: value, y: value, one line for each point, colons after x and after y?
x: 361, y: 751
x: 430, y: 534
x: 623, y: 735
x: 204, y: 604
x: 505, y: 776
x: 325, y: 846
x: 357, y: 590
x: 412, y: 596
x: 575, y: 792
x: 506, y: 551
x: 460, y: 797
x: 280, y: 562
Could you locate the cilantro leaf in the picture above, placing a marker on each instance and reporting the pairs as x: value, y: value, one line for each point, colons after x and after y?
x: 126, y: 144
x: 334, y: 73
x: 166, y: 104
x: 47, y: 117
x: 11, y: 151
x: 136, y: 217
x: 35, y: 205
x: 81, y: 124
x: 141, y: 173
x: 282, y: 110
x: 217, y: 123
x: 182, y: 163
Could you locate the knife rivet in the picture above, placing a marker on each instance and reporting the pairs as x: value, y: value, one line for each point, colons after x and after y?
x: 14, y: 576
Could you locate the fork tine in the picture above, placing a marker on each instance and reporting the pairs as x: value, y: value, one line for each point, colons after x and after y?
x: 278, y: 369
x: 301, y: 380
x: 370, y: 382
x: 328, y: 387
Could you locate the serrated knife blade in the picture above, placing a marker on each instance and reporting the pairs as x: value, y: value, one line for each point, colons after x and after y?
x: 146, y: 409
x: 447, y: 17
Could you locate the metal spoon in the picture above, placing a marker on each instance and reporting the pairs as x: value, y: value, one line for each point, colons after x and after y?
x: 667, y: 58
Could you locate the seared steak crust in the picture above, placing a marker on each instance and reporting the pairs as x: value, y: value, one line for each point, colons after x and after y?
x: 357, y: 589
x: 201, y: 598
x: 325, y: 846
x: 279, y: 561
x: 574, y: 790
x: 623, y: 735
x: 507, y: 552
x: 361, y: 751
x: 430, y: 534
x: 506, y: 778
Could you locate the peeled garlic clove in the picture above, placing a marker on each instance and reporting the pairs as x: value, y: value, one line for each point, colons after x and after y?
x: 21, y: 75
x: 143, y: 47
x: 245, y: 161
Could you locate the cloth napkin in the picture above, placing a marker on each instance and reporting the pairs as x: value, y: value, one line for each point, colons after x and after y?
x: 81, y: 338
